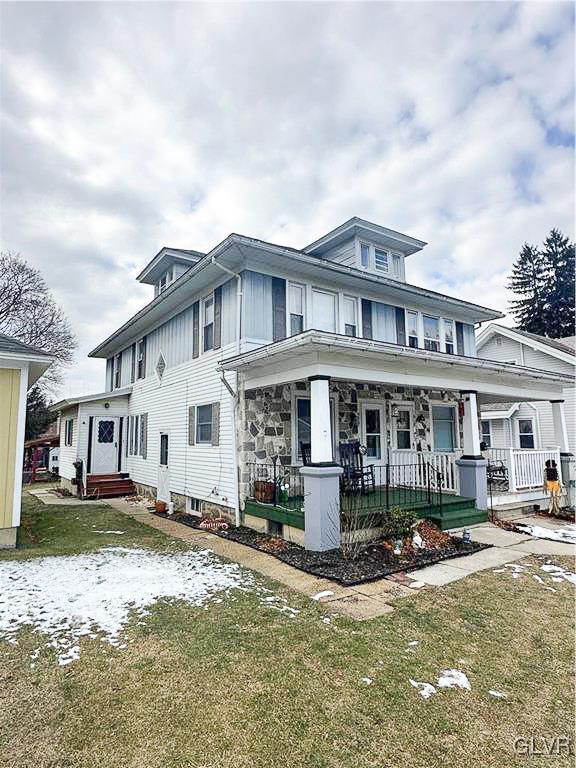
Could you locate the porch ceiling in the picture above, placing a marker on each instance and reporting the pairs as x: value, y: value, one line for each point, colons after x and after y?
x: 318, y: 353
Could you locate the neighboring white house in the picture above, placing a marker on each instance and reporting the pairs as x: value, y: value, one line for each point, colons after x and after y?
x: 254, y: 350
x: 527, y: 425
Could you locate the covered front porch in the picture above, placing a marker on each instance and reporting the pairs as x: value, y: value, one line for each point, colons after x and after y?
x: 415, y: 413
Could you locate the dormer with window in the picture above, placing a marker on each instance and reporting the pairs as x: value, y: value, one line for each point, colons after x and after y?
x: 362, y: 245
x: 167, y: 266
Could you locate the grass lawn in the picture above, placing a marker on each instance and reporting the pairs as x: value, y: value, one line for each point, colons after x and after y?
x: 237, y: 684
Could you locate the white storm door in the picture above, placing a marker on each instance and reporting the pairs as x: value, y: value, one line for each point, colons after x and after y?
x: 374, y: 433
x: 105, y: 445
x: 163, y: 491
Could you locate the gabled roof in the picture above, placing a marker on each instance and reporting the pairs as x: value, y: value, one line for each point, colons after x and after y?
x: 11, y: 345
x: 38, y: 361
x: 356, y: 227
x: 559, y: 348
x: 164, y: 259
x: 61, y: 405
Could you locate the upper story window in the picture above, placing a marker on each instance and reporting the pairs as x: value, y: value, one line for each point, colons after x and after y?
x: 68, y: 431
x: 165, y: 280
x: 412, y: 328
x: 324, y: 311
x: 296, y: 308
x: 449, y: 336
x: 431, y: 333
x: 141, y: 359
x: 381, y: 260
x: 208, y: 323
x: 365, y: 255
x: 350, y: 316
x: 117, y: 371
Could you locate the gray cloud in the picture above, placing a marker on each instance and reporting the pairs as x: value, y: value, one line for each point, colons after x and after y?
x: 126, y: 127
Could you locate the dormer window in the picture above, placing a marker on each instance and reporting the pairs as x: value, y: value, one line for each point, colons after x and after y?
x: 365, y: 255
x: 165, y: 280
x: 381, y: 260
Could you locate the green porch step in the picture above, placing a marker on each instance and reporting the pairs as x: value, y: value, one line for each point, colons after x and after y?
x: 455, y: 517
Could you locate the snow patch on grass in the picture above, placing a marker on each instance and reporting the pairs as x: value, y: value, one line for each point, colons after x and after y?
x: 566, y: 534
x: 69, y: 597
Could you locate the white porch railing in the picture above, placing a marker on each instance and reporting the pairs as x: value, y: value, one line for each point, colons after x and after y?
x: 442, y: 462
x: 525, y: 466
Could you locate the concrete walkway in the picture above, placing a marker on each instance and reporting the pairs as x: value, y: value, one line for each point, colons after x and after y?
x: 507, y: 547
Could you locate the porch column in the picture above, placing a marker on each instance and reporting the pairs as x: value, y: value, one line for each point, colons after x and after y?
x: 472, y: 465
x: 559, y: 421
x: 322, y: 475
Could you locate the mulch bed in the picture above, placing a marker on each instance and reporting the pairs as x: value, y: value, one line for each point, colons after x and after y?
x: 375, y: 561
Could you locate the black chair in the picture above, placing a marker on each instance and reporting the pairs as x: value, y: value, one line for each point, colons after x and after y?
x: 306, y: 452
x: 355, y: 477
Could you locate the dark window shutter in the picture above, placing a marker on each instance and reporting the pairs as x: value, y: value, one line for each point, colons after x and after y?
x: 133, y: 365
x: 366, y: 319
x: 192, y: 425
x: 400, y: 326
x: 215, y: 423
x: 217, y: 318
x: 120, y: 356
x: 144, y: 434
x: 459, y: 338
x: 196, y: 329
x: 278, y: 308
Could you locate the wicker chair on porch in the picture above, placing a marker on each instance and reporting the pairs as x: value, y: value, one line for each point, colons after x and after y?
x: 355, y: 477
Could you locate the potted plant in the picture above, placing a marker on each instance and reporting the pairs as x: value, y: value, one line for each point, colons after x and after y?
x: 160, y: 506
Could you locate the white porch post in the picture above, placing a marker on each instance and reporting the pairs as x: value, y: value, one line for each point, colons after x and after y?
x: 322, y: 475
x: 320, y: 422
x: 471, y: 429
x: 472, y: 465
x: 559, y: 421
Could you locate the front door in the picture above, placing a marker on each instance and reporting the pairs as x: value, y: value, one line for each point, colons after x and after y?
x: 105, y: 445
x: 163, y: 492
x: 374, y: 433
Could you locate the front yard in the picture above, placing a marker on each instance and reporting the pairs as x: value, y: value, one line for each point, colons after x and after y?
x: 254, y: 675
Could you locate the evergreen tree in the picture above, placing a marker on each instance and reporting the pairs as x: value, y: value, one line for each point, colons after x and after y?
x: 528, y: 280
x: 558, y: 252
x: 38, y: 417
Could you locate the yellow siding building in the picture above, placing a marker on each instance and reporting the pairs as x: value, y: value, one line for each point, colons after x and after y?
x: 20, y: 367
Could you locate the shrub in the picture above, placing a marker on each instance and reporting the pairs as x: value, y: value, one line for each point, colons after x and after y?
x: 398, y: 523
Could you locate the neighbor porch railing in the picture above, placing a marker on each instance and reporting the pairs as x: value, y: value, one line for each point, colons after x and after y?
x: 525, y: 467
x: 270, y: 482
x: 442, y: 462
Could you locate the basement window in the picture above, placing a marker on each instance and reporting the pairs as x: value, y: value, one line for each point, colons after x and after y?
x: 194, y: 506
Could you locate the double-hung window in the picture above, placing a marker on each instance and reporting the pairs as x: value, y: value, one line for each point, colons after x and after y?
x: 403, y: 428
x: 350, y: 314
x: 141, y: 359
x: 526, y: 433
x: 444, y: 427
x: 117, y: 371
x: 412, y: 328
x: 204, y: 424
x: 365, y: 255
x: 431, y: 333
x: 395, y: 265
x: 324, y: 311
x: 296, y: 308
x: 381, y: 260
x: 68, y: 431
x: 449, y: 336
x: 208, y: 323
x: 134, y: 435
x: 486, y: 433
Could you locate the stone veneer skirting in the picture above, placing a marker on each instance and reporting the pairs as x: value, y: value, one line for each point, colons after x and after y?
x: 207, y: 508
x: 265, y: 421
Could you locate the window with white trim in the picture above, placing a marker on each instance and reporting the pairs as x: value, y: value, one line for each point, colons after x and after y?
x: 364, y: 255
x: 296, y: 299
x: 324, y: 311
x: 449, y: 336
x: 381, y: 260
x: 303, y: 427
x: 134, y: 436
x: 486, y: 432
x: 403, y: 428
x: 208, y: 324
x: 117, y: 371
x: 350, y: 316
x: 431, y: 333
x: 204, y: 424
x: 141, y: 359
x: 396, y: 265
x: 412, y: 328
x: 68, y: 431
x: 526, y: 433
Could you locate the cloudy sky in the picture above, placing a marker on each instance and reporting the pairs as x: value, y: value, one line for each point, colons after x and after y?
x: 129, y: 126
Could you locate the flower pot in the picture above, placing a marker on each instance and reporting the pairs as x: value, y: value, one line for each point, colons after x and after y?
x: 264, y: 491
x: 160, y: 506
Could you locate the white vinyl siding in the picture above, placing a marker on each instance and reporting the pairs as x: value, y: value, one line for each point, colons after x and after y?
x: 345, y: 253
x: 68, y: 453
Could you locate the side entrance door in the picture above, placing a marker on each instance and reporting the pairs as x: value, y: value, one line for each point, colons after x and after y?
x: 163, y: 491
x: 374, y: 432
x: 105, y: 445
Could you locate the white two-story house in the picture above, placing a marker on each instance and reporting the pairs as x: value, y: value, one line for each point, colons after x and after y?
x: 254, y: 359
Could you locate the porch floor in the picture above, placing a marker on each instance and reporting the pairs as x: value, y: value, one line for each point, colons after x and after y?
x: 452, y: 512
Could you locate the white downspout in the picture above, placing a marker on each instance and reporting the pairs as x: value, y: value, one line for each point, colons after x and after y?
x: 239, y: 295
